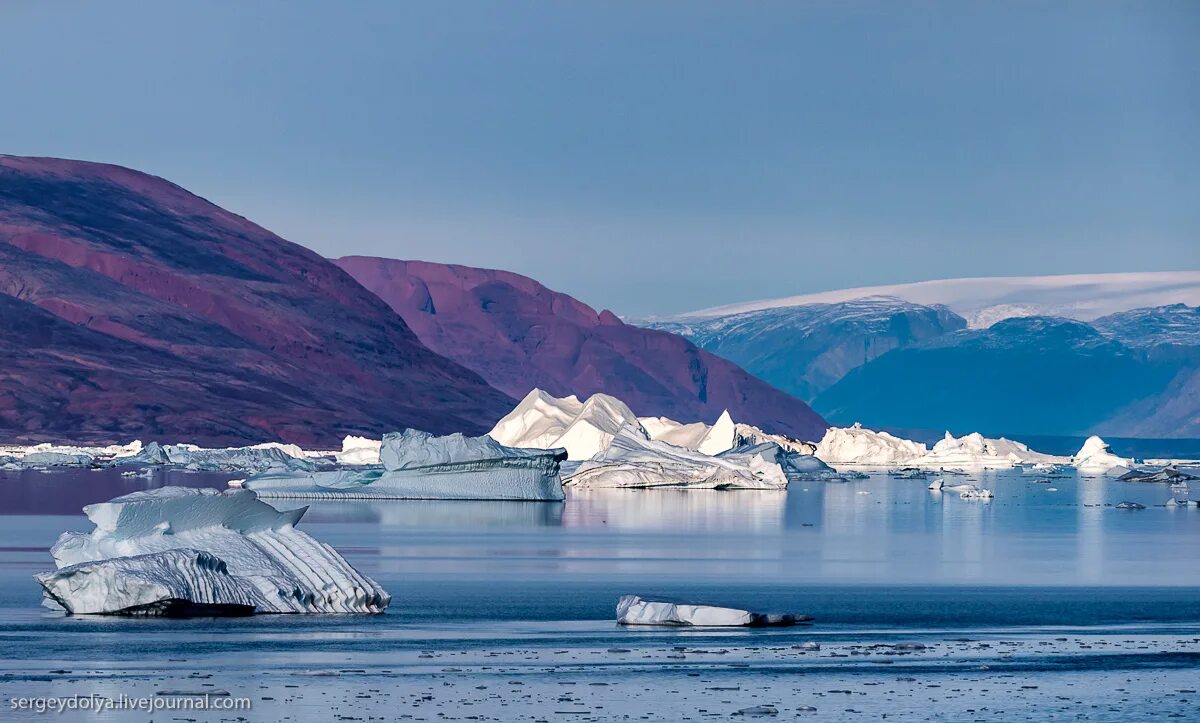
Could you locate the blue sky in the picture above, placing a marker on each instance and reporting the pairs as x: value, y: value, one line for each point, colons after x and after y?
x: 647, y: 157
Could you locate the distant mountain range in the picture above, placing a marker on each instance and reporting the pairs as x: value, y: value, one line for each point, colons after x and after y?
x: 520, y: 335
x: 130, y: 307
x: 895, y: 363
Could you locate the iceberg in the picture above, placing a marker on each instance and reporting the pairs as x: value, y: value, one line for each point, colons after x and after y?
x: 1169, y: 474
x: 359, y: 451
x: 796, y: 467
x: 858, y: 445
x: 1096, y: 456
x: 172, y: 548
x: 722, y: 436
x: 584, y: 429
x: 65, y: 455
x: 51, y: 458
x: 632, y: 461
x: 633, y: 610
x: 975, y: 450
x: 232, y: 459
x: 418, y: 465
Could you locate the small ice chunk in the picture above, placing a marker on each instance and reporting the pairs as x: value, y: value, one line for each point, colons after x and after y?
x: 633, y: 610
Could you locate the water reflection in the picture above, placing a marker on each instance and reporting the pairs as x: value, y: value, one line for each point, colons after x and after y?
x: 714, y: 510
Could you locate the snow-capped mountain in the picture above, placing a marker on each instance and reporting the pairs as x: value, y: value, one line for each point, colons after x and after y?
x: 1175, y: 325
x: 805, y: 349
x: 984, y: 301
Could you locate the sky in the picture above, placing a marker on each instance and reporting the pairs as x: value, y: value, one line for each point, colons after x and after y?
x: 646, y: 157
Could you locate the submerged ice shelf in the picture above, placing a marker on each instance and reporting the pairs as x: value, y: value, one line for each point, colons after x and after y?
x: 173, y: 548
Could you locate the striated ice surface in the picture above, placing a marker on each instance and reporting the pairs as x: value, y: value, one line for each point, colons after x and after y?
x: 633, y: 610
x: 542, y: 421
x: 633, y: 461
x: 120, y: 567
x: 418, y: 465
x: 795, y: 466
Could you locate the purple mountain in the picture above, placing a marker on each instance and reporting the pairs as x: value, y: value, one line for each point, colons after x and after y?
x: 130, y: 307
x: 520, y: 335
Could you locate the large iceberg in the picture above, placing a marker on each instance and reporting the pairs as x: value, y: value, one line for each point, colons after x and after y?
x: 418, y: 465
x: 975, y: 450
x: 542, y: 421
x: 359, y: 450
x: 257, y: 458
x: 177, y: 549
x: 858, y: 445
x: 633, y: 610
x: 631, y: 460
x: 1097, y: 457
x: 65, y: 455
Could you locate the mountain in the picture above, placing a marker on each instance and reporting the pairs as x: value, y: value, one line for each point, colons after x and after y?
x: 983, y: 301
x: 805, y: 349
x: 520, y: 335
x: 1176, y: 325
x: 1031, y: 375
x: 133, y: 308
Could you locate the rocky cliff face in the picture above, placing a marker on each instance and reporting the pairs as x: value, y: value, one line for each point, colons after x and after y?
x: 520, y: 335
x: 135, y: 308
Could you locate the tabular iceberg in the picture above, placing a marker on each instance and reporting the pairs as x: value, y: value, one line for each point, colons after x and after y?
x: 418, y: 465
x: 64, y: 455
x: 170, y: 548
x: 633, y: 610
x: 632, y: 461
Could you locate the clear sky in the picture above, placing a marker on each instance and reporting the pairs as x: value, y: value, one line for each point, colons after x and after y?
x: 648, y: 157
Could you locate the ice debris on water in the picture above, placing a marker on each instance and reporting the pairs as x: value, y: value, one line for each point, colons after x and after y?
x: 633, y: 610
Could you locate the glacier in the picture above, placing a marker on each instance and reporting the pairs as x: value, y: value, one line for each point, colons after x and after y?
x: 172, y: 548
x: 418, y: 465
x: 633, y: 610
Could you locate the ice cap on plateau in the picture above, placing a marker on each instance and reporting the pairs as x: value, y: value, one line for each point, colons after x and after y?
x: 633, y: 610
x: 148, y: 550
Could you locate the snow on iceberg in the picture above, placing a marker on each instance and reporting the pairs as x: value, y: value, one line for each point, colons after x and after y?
x: 633, y: 610
x: 418, y: 465
x: 1096, y: 456
x: 542, y: 421
x: 257, y: 458
x: 156, y: 551
x: 975, y: 450
x: 632, y: 461
x: 858, y: 445
x: 359, y: 450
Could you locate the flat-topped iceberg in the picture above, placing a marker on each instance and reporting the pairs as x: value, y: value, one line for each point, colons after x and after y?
x: 1096, y: 456
x: 633, y: 610
x: 175, y: 549
x: 256, y: 458
x: 419, y: 465
x: 64, y: 455
x: 632, y: 461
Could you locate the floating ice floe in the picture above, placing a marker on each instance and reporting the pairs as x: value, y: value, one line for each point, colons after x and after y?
x: 1127, y: 505
x: 257, y: 458
x: 632, y: 461
x: 1096, y: 456
x: 1168, y: 474
x: 418, y: 465
x: 633, y: 610
x: 965, y: 491
x: 179, y: 550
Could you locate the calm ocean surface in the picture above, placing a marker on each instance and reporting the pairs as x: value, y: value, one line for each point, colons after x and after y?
x: 485, y: 591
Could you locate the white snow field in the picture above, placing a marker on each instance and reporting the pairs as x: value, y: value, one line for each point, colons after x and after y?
x: 986, y: 300
x: 176, y: 549
x: 633, y: 610
x: 419, y: 465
